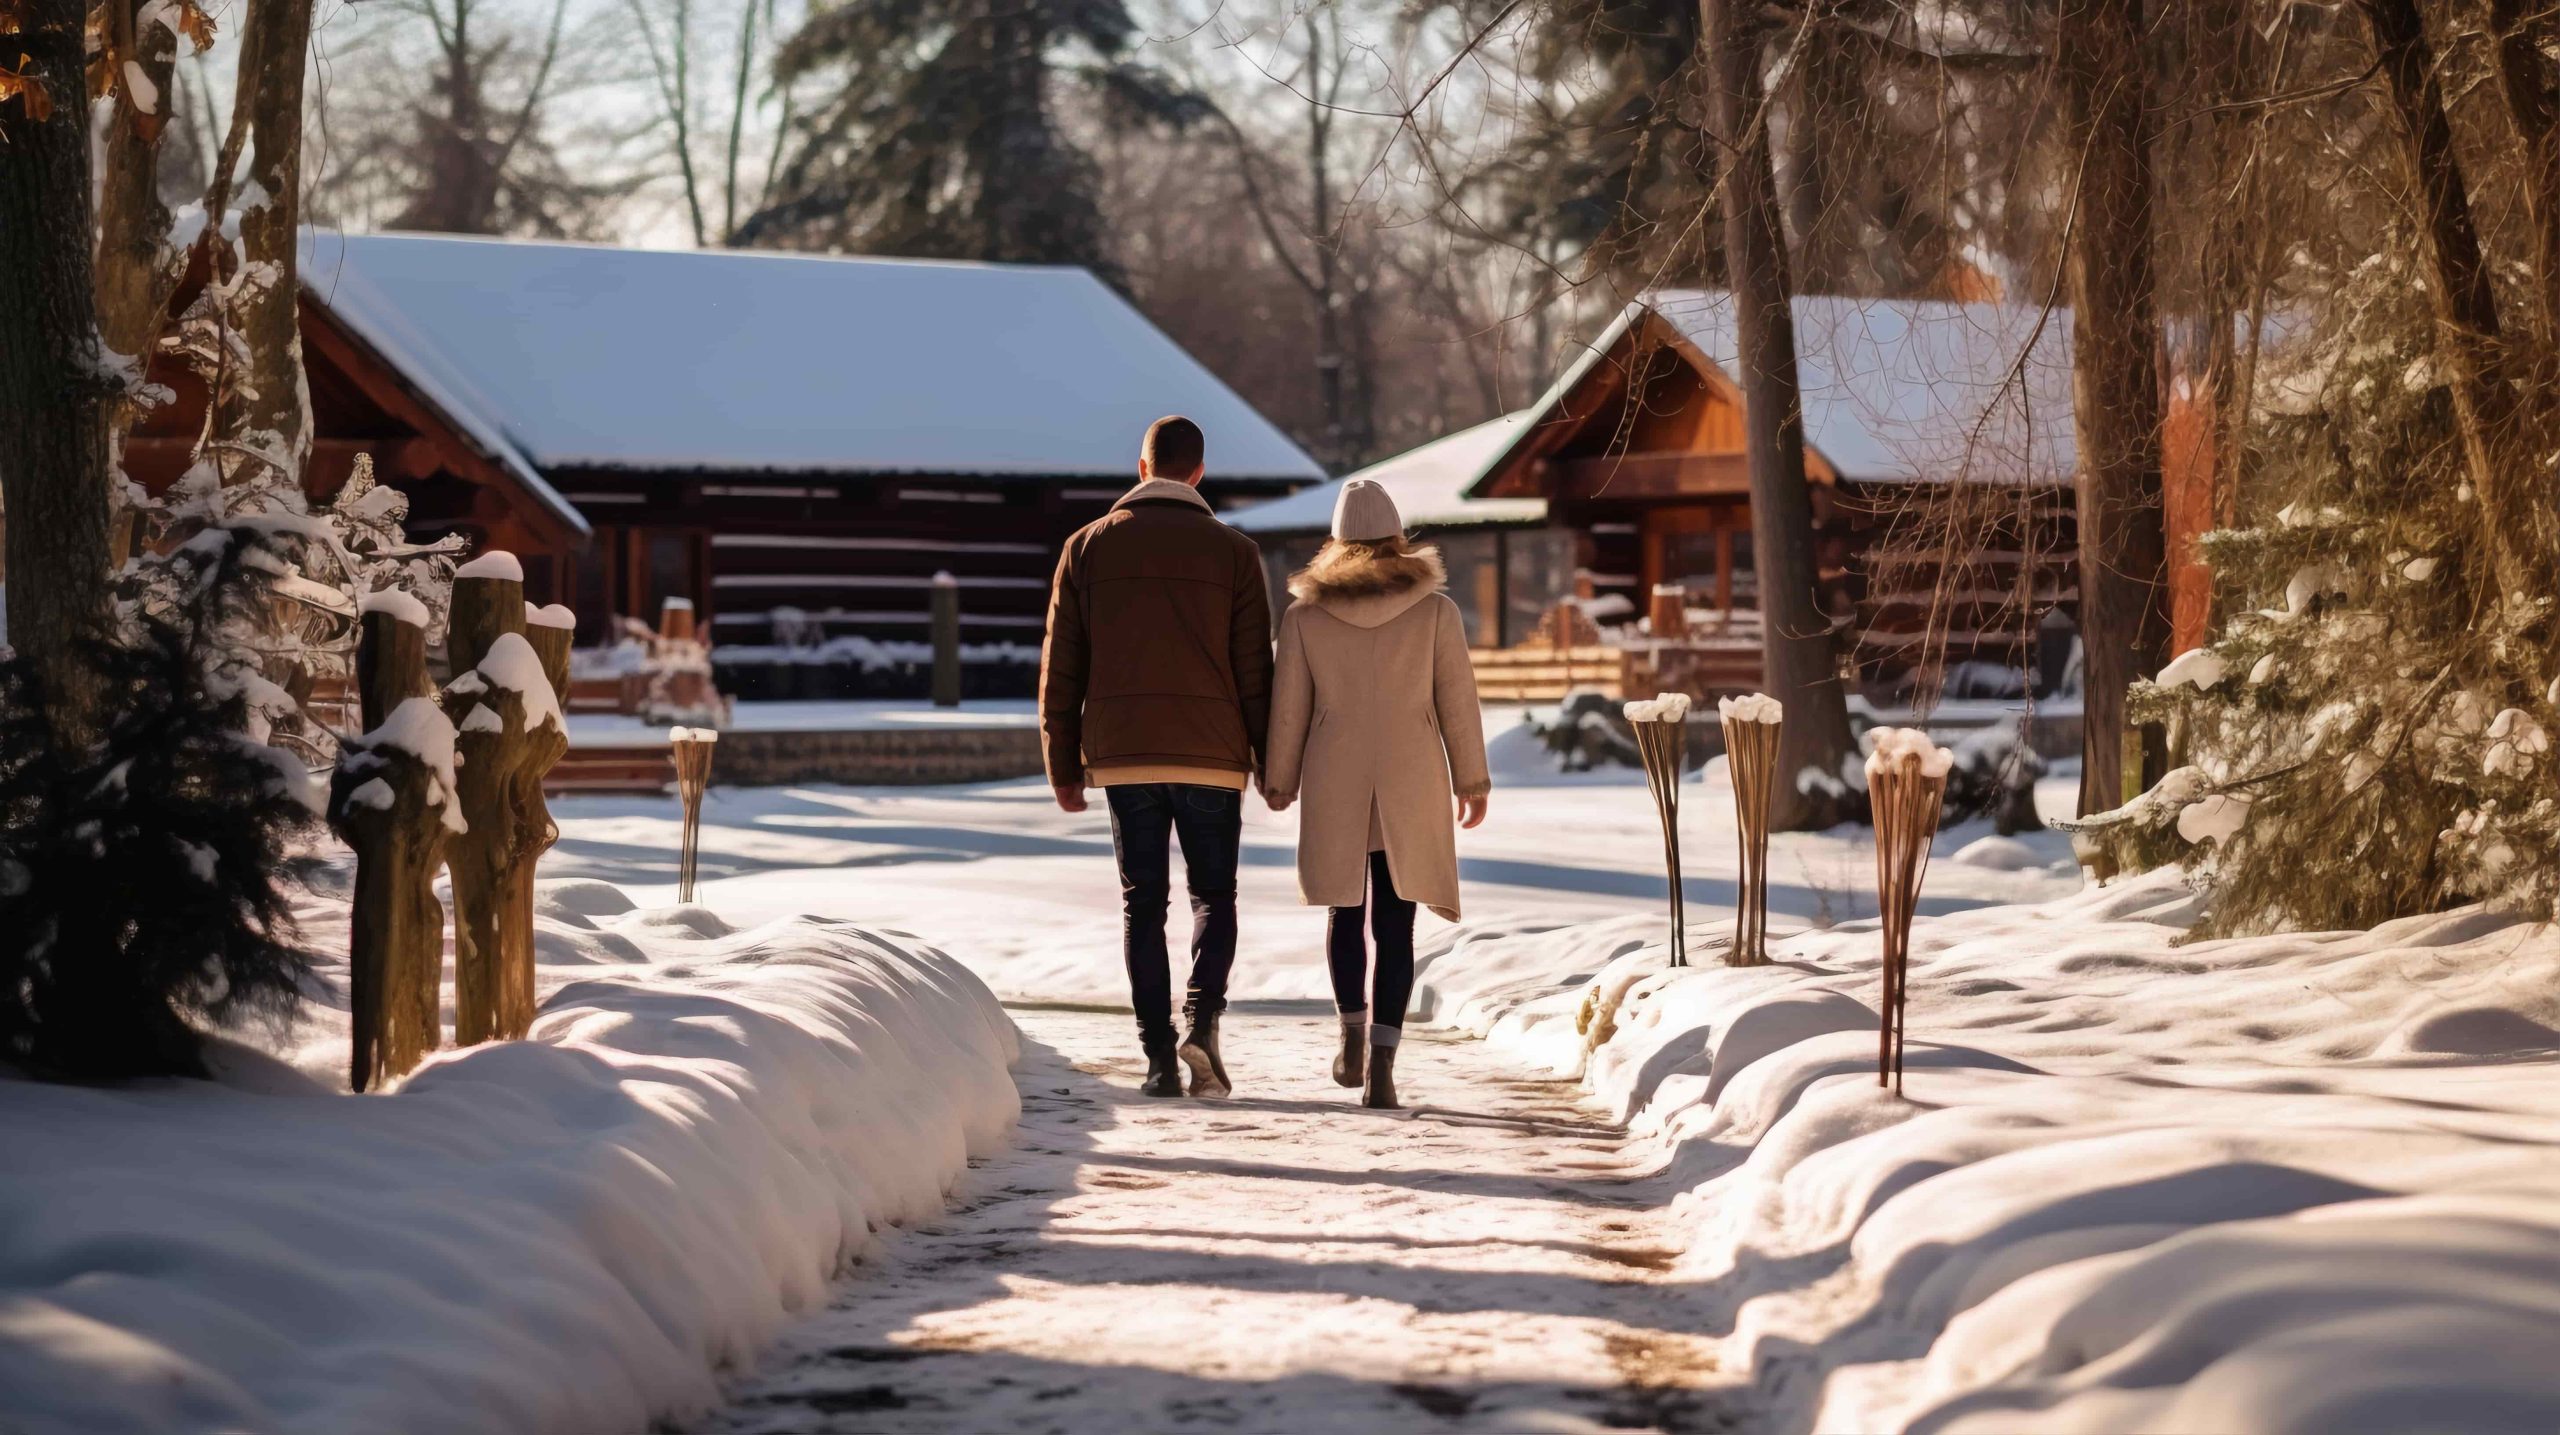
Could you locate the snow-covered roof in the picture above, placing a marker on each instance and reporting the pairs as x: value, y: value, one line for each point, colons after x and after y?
x: 582, y: 356
x: 1895, y: 390
x: 1428, y: 483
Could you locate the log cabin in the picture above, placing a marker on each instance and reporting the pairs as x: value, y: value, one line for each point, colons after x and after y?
x: 795, y: 444
x: 1939, y: 445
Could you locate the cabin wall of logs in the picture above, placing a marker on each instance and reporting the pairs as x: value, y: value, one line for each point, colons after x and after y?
x: 448, y: 779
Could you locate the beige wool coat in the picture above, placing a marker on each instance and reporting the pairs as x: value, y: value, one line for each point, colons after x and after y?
x: 1375, y: 728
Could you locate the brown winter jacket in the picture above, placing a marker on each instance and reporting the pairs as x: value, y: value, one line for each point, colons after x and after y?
x: 1159, y: 647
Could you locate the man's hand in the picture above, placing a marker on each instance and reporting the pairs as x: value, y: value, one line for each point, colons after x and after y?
x: 1471, y: 810
x: 1070, y: 799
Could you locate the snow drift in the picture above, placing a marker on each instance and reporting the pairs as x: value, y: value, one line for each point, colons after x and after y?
x: 569, y: 1233
x: 2293, y: 1183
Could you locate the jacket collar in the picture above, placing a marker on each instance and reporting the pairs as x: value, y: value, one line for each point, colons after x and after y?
x: 1368, y: 591
x: 1164, y: 490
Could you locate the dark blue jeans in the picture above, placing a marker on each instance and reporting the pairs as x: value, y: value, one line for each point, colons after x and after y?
x: 1145, y: 817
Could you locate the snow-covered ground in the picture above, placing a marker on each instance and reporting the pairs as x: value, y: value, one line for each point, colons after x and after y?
x: 622, y: 730
x: 2300, y: 1183
x: 2296, y: 1183
x: 1282, y: 1263
x: 564, y: 1234
x: 996, y: 874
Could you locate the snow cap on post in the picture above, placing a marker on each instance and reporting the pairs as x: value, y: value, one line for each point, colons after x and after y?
x: 400, y: 605
x: 496, y: 563
x: 1909, y: 748
x: 1751, y: 707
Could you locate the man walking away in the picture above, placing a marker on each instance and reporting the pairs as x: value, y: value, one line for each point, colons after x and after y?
x: 1155, y: 685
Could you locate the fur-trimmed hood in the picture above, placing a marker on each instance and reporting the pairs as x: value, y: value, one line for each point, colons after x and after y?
x: 1365, y: 588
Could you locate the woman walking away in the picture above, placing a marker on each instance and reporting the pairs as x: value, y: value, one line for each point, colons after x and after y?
x: 1374, y: 717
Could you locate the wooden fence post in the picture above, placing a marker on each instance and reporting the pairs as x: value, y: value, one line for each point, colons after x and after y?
x: 946, y: 641
x: 392, y: 799
x: 506, y: 712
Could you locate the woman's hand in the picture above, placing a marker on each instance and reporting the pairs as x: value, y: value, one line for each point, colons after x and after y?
x: 1471, y: 809
x: 1278, y: 801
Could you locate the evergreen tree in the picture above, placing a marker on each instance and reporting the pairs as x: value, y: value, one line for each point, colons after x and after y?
x: 1610, y: 159
x: 2367, y: 736
x: 140, y: 893
x: 947, y: 133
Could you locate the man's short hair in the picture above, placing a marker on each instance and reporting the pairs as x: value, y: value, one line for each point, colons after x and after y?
x: 1174, y: 448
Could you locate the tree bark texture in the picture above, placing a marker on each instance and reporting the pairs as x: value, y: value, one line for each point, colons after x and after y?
x: 1801, y: 665
x: 2521, y: 33
x: 135, y: 275
x: 57, y: 398
x: 2511, y: 484
x: 270, y: 412
x: 504, y: 760
x: 395, y: 941
x: 2115, y: 386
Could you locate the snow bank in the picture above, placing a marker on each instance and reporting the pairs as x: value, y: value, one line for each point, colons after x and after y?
x: 563, y: 1234
x: 2292, y: 1183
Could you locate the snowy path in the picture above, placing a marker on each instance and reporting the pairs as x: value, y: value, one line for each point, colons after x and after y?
x: 1281, y: 1262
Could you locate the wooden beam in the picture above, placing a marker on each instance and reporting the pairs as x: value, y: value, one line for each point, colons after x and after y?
x: 1653, y: 476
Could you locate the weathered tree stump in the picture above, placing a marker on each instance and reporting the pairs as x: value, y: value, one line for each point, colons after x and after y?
x: 392, y: 799
x: 506, y: 712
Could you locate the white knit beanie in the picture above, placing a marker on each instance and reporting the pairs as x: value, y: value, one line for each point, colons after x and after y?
x: 1364, y: 513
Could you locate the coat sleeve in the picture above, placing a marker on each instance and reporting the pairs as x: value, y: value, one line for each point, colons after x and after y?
x: 1249, y: 641
x: 1065, y: 662
x: 1453, y: 695
x: 1293, y: 701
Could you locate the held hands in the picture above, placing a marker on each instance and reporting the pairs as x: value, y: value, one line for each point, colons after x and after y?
x: 1471, y: 809
x: 1276, y: 801
x: 1070, y: 799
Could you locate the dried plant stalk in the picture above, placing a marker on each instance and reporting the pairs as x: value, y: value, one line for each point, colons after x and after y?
x: 1907, y: 784
x: 1751, y: 761
x: 693, y: 748
x: 1663, y: 743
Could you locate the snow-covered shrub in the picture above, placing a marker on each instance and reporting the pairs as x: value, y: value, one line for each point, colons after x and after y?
x: 1995, y: 776
x: 138, y: 879
x: 290, y: 623
x: 2365, y: 737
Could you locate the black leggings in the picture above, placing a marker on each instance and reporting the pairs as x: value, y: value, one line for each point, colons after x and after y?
x: 1391, y: 927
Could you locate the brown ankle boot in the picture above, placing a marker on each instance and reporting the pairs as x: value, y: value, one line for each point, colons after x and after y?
x: 1380, y: 1092
x: 1351, y: 1063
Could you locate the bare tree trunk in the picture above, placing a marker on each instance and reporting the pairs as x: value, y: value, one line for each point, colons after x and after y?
x: 57, y: 397
x: 269, y: 412
x: 2533, y: 107
x: 1800, y: 667
x: 134, y: 272
x: 2512, y: 485
x: 2115, y: 384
